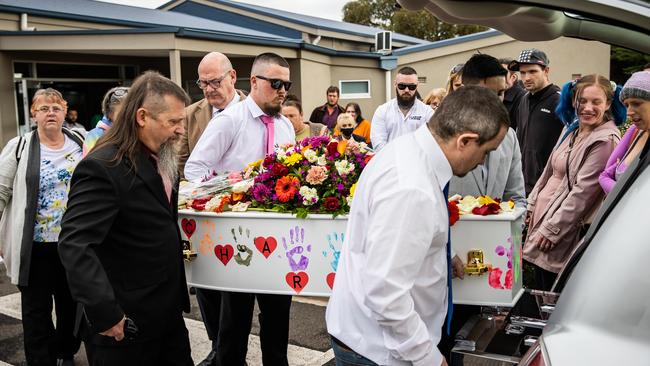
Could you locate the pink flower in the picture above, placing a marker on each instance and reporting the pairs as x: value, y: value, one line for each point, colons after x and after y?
x: 316, y: 175
x: 234, y: 177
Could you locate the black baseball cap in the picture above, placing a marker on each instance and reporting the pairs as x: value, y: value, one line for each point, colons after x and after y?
x: 531, y: 56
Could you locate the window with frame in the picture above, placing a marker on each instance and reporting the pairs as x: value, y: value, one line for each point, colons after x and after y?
x: 354, y: 89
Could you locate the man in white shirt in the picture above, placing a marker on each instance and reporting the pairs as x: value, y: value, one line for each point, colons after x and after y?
x: 402, y: 114
x: 390, y: 295
x: 241, y: 134
x: 217, y: 81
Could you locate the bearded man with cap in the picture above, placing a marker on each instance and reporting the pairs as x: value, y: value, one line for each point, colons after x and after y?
x: 538, y: 128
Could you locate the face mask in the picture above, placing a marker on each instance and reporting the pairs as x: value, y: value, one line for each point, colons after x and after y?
x: 347, y: 131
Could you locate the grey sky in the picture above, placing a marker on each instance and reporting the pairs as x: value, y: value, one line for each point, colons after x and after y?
x: 330, y: 9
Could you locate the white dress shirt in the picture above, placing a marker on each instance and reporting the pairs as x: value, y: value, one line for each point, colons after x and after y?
x: 390, y: 294
x: 235, y: 99
x: 389, y: 122
x: 233, y: 139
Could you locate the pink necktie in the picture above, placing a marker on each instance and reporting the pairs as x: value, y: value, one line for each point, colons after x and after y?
x: 270, y: 132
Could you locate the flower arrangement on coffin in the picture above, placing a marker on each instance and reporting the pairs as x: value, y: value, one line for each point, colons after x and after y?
x: 481, y: 205
x: 214, y: 193
x: 317, y: 175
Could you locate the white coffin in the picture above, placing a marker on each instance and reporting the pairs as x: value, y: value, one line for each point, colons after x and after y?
x: 307, y: 265
x: 499, y: 237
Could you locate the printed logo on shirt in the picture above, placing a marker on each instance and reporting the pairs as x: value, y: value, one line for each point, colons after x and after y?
x: 545, y: 110
x: 417, y: 118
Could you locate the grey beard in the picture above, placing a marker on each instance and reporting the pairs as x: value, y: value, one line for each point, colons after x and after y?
x: 168, y: 160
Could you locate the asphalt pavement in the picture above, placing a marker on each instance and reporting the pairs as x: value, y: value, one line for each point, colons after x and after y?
x: 308, y: 340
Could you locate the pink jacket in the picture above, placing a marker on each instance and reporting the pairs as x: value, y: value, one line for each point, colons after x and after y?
x: 568, y: 210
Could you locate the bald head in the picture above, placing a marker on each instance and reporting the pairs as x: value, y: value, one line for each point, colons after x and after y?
x: 217, y: 79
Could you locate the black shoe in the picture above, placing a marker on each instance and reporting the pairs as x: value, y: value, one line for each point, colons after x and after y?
x: 210, y: 360
x: 64, y: 362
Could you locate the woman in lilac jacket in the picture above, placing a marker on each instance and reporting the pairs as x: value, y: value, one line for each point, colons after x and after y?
x: 636, y: 97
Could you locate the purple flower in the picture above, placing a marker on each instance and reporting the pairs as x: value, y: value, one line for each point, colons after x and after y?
x: 261, y: 192
x: 340, y: 187
x: 263, y: 177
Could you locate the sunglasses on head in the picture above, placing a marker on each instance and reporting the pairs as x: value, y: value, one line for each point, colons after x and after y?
x: 276, y: 83
x: 118, y: 94
x: 411, y: 87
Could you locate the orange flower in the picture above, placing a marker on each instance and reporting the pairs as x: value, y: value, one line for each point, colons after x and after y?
x: 286, y: 188
x: 236, y: 197
x: 341, y: 146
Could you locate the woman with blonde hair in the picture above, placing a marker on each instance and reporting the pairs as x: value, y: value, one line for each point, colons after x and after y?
x: 35, y: 172
x: 454, y: 81
x: 567, y: 193
x: 435, y: 97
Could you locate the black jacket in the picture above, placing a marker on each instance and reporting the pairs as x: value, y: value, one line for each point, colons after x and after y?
x: 319, y: 112
x: 511, y: 100
x: 121, y: 246
x: 538, y: 131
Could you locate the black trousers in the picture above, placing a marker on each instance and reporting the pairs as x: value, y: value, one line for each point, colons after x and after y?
x: 543, y: 279
x: 236, y: 319
x: 210, y: 306
x: 44, y: 342
x: 172, y: 348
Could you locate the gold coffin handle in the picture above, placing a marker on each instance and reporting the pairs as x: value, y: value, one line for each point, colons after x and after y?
x: 188, y: 254
x: 476, y: 265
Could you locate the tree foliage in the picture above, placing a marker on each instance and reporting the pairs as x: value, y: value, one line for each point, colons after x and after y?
x: 421, y: 24
x: 624, y: 62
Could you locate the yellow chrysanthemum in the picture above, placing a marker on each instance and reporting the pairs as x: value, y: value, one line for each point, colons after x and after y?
x: 293, y: 159
x: 352, y: 189
x: 485, y: 200
x: 254, y: 164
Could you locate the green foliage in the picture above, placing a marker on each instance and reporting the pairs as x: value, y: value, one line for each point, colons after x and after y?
x: 624, y: 62
x: 421, y: 24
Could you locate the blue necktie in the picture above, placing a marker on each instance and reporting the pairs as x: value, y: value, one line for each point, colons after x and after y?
x: 450, y: 304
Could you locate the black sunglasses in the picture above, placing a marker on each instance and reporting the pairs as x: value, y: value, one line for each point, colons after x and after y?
x: 411, y: 87
x: 276, y: 83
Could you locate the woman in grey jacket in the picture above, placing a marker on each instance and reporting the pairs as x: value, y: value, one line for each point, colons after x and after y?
x: 35, y: 172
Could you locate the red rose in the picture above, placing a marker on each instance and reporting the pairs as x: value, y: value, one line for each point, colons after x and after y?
x: 491, y: 209
x: 332, y: 204
x: 279, y: 170
x: 332, y: 149
x: 454, y: 212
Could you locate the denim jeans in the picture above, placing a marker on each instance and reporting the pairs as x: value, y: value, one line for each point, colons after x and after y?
x: 347, y: 357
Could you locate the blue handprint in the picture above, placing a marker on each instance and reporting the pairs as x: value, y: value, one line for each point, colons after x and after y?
x: 333, y: 241
x: 296, y: 246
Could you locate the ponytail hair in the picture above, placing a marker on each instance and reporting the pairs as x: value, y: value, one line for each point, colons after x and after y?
x: 571, y: 91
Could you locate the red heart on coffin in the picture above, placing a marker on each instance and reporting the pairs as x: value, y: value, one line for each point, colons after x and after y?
x: 224, y: 253
x: 188, y: 226
x: 330, y: 279
x: 297, y: 281
x: 266, y: 246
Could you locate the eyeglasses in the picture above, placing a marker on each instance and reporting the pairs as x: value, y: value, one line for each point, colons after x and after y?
x: 411, y: 87
x: 276, y: 83
x: 47, y: 109
x: 214, y: 83
x: 118, y: 94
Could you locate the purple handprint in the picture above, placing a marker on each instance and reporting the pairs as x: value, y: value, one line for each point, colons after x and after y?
x: 296, y: 246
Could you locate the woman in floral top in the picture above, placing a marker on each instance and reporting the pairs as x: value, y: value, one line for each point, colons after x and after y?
x: 35, y: 172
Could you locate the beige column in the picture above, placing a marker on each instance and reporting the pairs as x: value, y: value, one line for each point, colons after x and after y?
x: 8, y: 121
x: 175, y: 67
